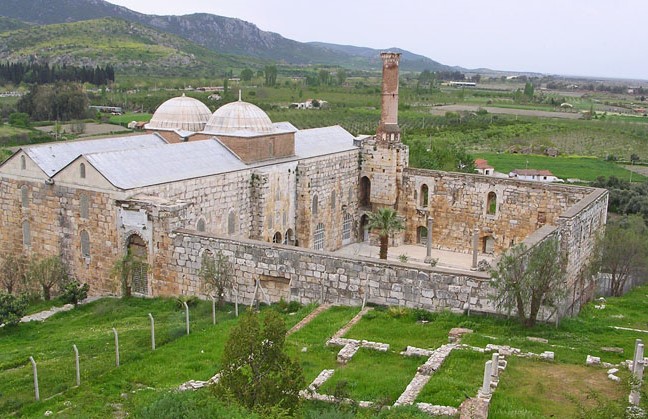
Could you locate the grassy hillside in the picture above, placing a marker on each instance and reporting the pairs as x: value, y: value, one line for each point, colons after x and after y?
x: 131, y: 48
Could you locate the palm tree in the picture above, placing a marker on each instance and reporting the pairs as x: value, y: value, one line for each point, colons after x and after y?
x: 385, y: 222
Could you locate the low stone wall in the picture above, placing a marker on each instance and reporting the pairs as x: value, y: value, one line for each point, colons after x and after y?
x: 306, y: 276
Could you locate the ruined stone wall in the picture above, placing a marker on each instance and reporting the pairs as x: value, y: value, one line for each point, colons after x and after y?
x: 308, y: 276
x: 333, y: 179
x: 55, y: 225
x: 580, y: 226
x: 459, y: 203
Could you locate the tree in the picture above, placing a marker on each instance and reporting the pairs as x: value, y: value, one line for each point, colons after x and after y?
x: 634, y: 158
x: 12, y: 308
x: 324, y: 77
x: 256, y: 372
x: 12, y: 272
x: 341, y: 76
x: 123, y: 269
x: 385, y: 222
x: 623, y: 251
x: 48, y: 272
x: 247, y: 74
x: 74, y: 292
x: 216, y: 274
x: 526, y: 279
x: 270, y: 72
x: 529, y: 90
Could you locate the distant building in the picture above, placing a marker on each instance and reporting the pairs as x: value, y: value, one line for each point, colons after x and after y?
x: 535, y: 175
x: 483, y: 168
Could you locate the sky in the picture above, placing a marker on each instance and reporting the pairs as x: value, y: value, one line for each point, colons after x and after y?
x: 599, y: 38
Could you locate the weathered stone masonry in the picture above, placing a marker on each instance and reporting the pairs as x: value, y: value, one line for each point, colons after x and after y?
x: 307, y: 276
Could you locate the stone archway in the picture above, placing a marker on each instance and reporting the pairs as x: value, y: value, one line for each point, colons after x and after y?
x: 138, y: 250
x: 364, y: 228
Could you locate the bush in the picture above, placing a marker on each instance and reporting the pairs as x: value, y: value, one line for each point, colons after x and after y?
x: 191, y: 301
x: 74, y: 291
x: 287, y: 307
x: 12, y: 308
x: 397, y: 312
x: 422, y: 315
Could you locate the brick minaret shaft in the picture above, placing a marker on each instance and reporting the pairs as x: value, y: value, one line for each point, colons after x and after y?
x: 388, y: 129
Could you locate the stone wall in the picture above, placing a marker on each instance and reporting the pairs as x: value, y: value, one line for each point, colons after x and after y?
x: 458, y: 203
x: 56, y: 223
x: 306, y: 276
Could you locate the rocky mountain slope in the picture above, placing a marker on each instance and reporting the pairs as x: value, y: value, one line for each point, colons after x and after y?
x: 216, y: 33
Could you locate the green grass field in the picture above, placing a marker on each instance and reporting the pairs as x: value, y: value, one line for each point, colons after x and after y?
x: 584, y: 168
x: 531, y: 388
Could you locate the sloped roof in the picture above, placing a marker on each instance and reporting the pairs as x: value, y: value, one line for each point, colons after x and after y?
x: 52, y: 157
x: 130, y: 169
x: 322, y: 141
x: 532, y: 172
x: 482, y: 164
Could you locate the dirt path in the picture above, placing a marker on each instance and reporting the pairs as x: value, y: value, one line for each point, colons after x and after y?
x: 441, y: 110
x: 308, y: 318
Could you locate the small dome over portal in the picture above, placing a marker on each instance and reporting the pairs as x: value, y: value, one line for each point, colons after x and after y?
x: 239, y: 117
x: 180, y: 113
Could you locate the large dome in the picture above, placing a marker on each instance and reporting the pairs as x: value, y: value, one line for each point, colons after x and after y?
x: 181, y: 113
x: 239, y: 117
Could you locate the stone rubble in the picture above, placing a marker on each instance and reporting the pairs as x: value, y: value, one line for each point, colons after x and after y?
x: 539, y: 340
x: 592, y: 360
x: 413, y: 351
x: 434, y: 410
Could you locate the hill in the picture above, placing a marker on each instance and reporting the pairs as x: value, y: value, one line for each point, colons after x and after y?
x: 8, y: 24
x: 216, y: 33
x: 128, y: 46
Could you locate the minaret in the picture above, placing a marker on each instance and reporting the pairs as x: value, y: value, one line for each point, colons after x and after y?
x: 384, y: 157
x: 388, y: 129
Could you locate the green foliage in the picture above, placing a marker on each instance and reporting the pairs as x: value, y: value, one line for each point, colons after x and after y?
x: 270, y: 73
x: 12, y: 308
x: 73, y: 292
x: 60, y: 102
x: 189, y: 404
x: 123, y: 269
x: 247, y: 74
x: 525, y: 279
x: 287, y: 307
x: 49, y: 272
x: 625, y: 197
x: 19, y: 120
x: 256, y: 372
x: 216, y: 275
x: 191, y: 300
x: 385, y: 222
x: 441, y: 155
x: 623, y: 252
x: 422, y: 315
x: 12, y: 272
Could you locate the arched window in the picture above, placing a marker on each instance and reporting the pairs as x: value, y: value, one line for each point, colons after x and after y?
x: 84, y: 206
x: 333, y: 199
x: 82, y: 171
x: 424, y: 195
x: 491, y: 203
x: 346, y: 227
x: 422, y: 235
x: 23, y: 163
x: 85, y: 244
x: 276, y: 238
x: 289, y: 237
x: 318, y: 237
x: 24, y: 196
x: 26, y: 230
x: 200, y: 226
x: 315, y: 205
x: 365, y: 191
x: 231, y: 222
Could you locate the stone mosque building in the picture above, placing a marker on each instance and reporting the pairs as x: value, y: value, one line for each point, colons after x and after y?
x: 278, y: 202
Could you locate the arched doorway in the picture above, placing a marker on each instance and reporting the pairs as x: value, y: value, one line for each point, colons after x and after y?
x: 277, y: 238
x: 289, y: 237
x: 364, y: 228
x: 138, y: 250
x: 365, y: 192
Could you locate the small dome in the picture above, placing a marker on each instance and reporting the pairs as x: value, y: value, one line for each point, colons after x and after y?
x: 181, y: 113
x: 239, y: 116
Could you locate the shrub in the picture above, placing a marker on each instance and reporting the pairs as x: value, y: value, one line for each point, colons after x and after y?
x: 191, y: 301
x: 422, y: 315
x: 74, y: 291
x: 397, y: 312
x: 12, y: 308
x: 284, y: 306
